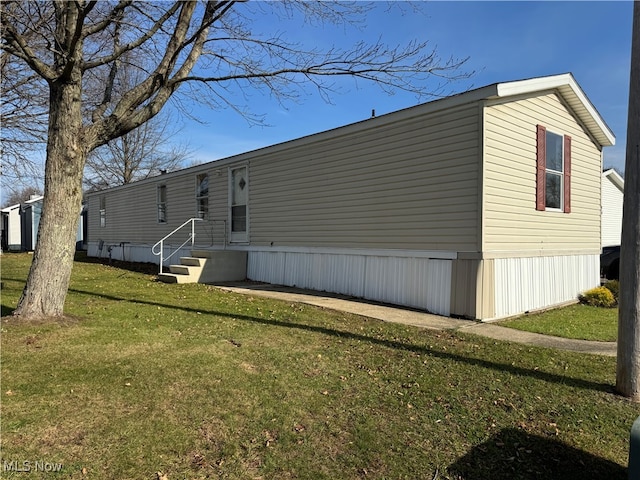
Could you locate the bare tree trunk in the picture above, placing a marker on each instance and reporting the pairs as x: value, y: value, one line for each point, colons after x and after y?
x: 628, y: 365
x: 48, y: 280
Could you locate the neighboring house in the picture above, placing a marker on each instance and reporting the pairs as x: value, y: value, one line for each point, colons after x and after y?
x: 30, y: 213
x: 11, y: 230
x: 20, y: 224
x: 483, y: 205
x: 612, y: 198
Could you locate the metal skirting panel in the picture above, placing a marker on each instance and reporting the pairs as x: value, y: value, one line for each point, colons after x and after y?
x: 415, y: 282
x: 531, y: 283
x: 325, y: 272
x: 266, y: 267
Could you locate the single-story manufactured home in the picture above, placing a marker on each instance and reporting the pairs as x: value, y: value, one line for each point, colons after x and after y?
x: 481, y: 205
x: 11, y: 229
x: 30, y: 213
x: 612, y: 200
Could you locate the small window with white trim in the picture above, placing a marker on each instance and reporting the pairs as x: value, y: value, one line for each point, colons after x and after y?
x: 103, y: 211
x: 202, y: 196
x: 162, y: 204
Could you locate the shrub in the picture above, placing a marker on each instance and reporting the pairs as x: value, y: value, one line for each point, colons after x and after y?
x: 614, y: 287
x: 598, y: 297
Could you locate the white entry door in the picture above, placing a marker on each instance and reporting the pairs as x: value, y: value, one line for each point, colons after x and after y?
x: 239, y: 204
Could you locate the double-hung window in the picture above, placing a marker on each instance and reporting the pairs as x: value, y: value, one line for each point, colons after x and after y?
x: 202, y: 195
x: 553, y: 179
x: 162, y: 204
x: 103, y: 211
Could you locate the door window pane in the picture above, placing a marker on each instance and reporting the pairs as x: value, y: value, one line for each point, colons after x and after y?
x: 239, y: 218
x: 239, y: 199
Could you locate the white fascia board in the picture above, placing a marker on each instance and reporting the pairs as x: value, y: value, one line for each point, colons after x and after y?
x: 567, y: 86
x: 35, y: 200
x: 12, y: 207
x: 615, y: 178
x: 531, y: 85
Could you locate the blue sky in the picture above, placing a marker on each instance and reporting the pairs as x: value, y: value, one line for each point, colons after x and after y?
x: 503, y: 40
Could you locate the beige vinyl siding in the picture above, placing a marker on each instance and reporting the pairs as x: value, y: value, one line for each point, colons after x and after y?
x: 132, y: 211
x: 511, y: 222
x: 472, y: 288
x: 411, y: 184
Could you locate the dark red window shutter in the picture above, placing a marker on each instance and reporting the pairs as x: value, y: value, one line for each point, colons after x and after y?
x: 541, y: 165
x: 567, y: 174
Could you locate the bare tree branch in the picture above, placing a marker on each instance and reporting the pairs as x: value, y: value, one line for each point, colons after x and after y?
x: 114, y: 17
x: 23, y: 117
x: 131, y: 45
x: 108, y: 88
x: 141, y: 153
x: 375, y: 63
x: 15, y: 43
x: 21, y: 195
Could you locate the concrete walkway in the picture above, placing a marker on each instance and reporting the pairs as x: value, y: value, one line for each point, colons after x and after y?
x: 419, y: 319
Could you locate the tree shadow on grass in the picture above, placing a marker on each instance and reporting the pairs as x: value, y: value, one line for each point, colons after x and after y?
x: 138, y: 267
x: 513, y: 454
x: 6, y: 310
x: 419, y: 349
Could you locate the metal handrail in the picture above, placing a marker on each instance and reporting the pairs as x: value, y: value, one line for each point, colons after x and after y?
x: 160, y: 243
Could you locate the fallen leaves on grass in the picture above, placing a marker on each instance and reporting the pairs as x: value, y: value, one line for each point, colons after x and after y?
x: 270, y: 437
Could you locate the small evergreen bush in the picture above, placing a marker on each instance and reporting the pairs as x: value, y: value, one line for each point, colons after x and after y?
x: 614, y: 287
x: 598, y: 297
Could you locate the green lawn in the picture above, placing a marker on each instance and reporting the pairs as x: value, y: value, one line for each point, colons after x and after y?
x: 195, y: 382
x: 575, y: 321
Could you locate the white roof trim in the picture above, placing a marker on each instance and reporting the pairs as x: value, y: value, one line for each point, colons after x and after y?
x: 615, y: 178
x: 572, y: 93
x: 17, y: 205
x: 34, y: 200
x: 11, y: 207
